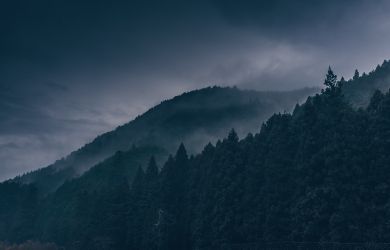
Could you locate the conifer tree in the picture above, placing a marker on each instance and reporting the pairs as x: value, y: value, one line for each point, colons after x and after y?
x: 174, y: 190
x: 331, y: 79
x: 341, y: 82
x: 356, y: 75
x: 152, y: 170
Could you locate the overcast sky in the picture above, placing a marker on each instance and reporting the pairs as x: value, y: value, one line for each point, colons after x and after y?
x: 70, y: 70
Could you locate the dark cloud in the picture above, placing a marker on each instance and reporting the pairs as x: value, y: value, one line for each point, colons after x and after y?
x: 70, y: 70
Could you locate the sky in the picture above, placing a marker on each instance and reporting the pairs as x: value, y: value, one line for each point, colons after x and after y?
x: 71, y: 70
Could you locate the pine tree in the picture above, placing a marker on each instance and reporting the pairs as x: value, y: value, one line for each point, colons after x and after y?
x: 138, y: 205
x: 331, y: 79
x: 341, y: 82
x: 233, y: 137
x: 174, y: 222
x: 356, y: 75
x: 138, y: 181
x: 181, y: 155
x: 376, y: 99
x: 152, y: 170
x: 149, y: 214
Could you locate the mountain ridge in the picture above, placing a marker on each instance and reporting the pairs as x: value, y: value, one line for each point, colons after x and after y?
x: 196, y: 118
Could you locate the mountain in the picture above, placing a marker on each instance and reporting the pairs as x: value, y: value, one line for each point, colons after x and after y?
x: 195, y: 118
x: 315, y: 178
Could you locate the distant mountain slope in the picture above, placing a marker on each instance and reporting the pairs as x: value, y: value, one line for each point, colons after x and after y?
x: 194, y: 118
x: 108, y: 173
x: 360, y: 89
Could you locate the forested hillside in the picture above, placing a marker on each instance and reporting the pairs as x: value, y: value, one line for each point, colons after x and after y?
x: 319, y: 174
x: 361, y: 87
x: 195, y: 118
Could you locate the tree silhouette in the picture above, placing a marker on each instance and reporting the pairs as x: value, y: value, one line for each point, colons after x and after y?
x: 356, y: 75
x: 331, y: 79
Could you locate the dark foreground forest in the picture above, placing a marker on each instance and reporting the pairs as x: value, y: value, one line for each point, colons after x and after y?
x: 319, y: 175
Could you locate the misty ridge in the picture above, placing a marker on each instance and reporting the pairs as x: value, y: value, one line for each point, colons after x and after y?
x: 194, y: 118
x: 310, y: 170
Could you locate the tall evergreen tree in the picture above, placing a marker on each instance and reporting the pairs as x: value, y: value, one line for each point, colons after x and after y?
x: 138, y: 204
x: 331, y: 79
x: 152, y: 170
x: 150, y: 214
x: 174, y: 188
x: 356, y: 75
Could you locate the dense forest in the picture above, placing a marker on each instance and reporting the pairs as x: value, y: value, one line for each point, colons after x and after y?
x: 317, y: 174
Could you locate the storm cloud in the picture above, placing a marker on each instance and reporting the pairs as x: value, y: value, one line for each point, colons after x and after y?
x: 70, y: 70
